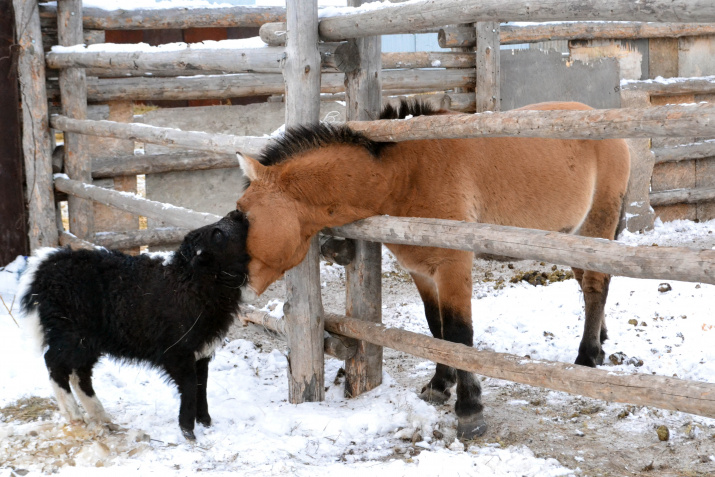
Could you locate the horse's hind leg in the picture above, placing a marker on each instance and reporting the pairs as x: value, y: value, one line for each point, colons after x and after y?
x: 595, y: 291
x: 437, y: 391
x: 60, y: 380
x: 81, y: 380
x: 454, y: 283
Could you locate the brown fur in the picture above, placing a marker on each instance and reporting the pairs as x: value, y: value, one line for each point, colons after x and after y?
x: 574, y: 186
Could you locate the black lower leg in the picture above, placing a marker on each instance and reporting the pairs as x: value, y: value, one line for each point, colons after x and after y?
x: 595, y: 292
x: 438, y: 389
x: 202, y: 405
x: 183, y: 372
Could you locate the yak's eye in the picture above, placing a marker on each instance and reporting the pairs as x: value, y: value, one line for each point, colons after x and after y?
x: 198, y: 252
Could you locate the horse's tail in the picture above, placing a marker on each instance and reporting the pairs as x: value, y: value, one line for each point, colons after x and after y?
x: 621, y: 219
x: 409, y: 107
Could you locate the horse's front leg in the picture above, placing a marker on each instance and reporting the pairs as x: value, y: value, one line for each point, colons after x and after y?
x: 454, y: 286
x: 595, y: 291
x: 437, y: 391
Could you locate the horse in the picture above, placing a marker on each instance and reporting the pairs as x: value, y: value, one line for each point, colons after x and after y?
x: 325, y: 176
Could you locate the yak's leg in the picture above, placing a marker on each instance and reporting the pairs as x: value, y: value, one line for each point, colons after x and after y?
x: 454, y: 283
x: 59, y: 378
x: 81, y: 381
x: 202, y: 405
x: 437, y: 391
x: 182, y: 370
x: 595, y: 292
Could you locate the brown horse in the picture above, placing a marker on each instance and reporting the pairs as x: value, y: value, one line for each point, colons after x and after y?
x: 325, y: 176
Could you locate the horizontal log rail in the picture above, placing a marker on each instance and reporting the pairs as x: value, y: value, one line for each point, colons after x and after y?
x: 411, y: 16
x: 684, y: 152
x: 682, y: 196
x: 257, y: 84
x: 456, y: 36
x: 170, y: 18
x: 201, y: 141
x: 170, y: 214
x: 657, y: 121
x: 599, y: 255
x: 340, y: 347
x: 672, y: 86
x: 601, y: 383
x: 135, y: 238
x: 103, y: 167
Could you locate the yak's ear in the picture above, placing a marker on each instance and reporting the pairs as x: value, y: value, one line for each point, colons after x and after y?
x: 253, y: 169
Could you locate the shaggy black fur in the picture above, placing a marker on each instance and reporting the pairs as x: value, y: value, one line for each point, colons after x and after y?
x: 302, y: 139
x: 137, y: 309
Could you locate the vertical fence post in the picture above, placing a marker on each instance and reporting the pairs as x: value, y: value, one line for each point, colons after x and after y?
x: 73, y: 90
x: 36, y: 143
x: 488, y: 68
x: 363, y: 372
x: 303, y: 308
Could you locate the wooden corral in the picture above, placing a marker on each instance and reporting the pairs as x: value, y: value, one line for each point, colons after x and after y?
x: 349, y: 61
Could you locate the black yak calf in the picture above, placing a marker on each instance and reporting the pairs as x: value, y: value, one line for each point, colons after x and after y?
x: 141, y: 309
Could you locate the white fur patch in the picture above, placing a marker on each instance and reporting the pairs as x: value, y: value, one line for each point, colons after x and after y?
x: 207, y: 350
x: 66, y: 402
x: 91, y: 404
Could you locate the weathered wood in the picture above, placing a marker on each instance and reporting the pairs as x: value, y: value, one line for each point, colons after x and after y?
x: 488, y: 96
x: 599, y: 255
x: 340, y: 347
x: 135, y: 238
x: 73, y: 90
x: 219, y: 143
x: 273, y: 34
x: 304, y: 308
x: 411, y: 16
x: 665, y: 121
x: 131, y: 165
x: 237, y: 85
x: 13, y: 213
x: 71, y: 240
x: 172, y: 18
x: 454, y: 36
x: 684, y: 152
x: 672, y: 86
x: 91, y: 37
x: 641, y: 389
x: 170, y: 214
x: 428, y: 59
x: 36, y: 139
x: 682, y: 196
x: 363, y: 275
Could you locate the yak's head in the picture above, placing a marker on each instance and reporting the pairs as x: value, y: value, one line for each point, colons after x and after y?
x: 217, y: 252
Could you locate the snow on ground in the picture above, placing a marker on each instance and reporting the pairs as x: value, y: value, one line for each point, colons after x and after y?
x: 256, y: 431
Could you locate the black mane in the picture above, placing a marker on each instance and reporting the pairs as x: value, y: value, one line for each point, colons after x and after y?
x: 300, y: 139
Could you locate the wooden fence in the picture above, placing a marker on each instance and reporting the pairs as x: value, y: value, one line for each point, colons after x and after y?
x: 301, y: 63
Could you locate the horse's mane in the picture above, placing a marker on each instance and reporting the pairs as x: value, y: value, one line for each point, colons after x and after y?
x: 300, y: 139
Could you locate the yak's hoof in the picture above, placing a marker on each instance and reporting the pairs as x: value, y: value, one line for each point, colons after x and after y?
x: 434, y: 396
x: 188, y: 434
x: 469, y: 427
x: 204, y: 420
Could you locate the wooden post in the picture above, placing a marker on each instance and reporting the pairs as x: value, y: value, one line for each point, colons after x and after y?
x: 488, y: 68
x: 73, y: 90
x: 363, y: 372
x: 304, y: 308
x: 36, y: 142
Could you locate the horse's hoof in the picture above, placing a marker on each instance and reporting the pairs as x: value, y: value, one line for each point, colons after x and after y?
x: 433, y: 396
x: 188, y: 434
x: 471, y: 426
x: 585, y: 361
x: 204, y: 420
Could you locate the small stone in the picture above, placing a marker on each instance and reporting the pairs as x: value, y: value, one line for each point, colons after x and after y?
x: 416, y: 437
x: 664, y: 287
x: 663, y: 433
x: 617, y: 358
x: 437, y: 434
x: 633, y: 322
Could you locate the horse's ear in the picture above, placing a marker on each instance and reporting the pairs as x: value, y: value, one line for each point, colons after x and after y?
x: 253, y: 169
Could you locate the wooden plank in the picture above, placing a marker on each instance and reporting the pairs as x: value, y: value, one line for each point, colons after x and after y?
x: 131, y: 165
x: 173, y: 215
x: 304, y: 308
x: 663, y: 57
x: 455, y: 36
x: 488, y: 96
x: 172, y: 18
x: 684, y: 152
x: 340, y: 347
x: 682, y: 196
x: 705, y: 178
x: 411, y: 16
x: 73, y: 90
x: 135, y: 238
x: 599, y: 255
x: 13, y: 213
x: 363, y: 275
x: 659, y: 121
x: 673, y: 86
x: 642, y: 389
x: 36, y: 139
